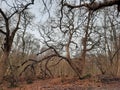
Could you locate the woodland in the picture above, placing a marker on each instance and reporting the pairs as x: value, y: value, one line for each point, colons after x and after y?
x: 64, y: 40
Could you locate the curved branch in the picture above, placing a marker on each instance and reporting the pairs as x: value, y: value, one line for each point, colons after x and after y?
x: 95, y: 5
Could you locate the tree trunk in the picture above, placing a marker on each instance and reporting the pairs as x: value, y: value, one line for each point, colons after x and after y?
x: 3, y: 65
x: 70, y: 62
x: 75, y: 68
x: 84, y: 44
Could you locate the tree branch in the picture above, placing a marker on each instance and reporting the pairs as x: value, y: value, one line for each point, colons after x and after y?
x: 3, y: 14
x: 95, y: 5
x: 6, y: 21
x: 26, y: 6
x: 17, y: 26
x: 1, y: 31
x: 12, y: 14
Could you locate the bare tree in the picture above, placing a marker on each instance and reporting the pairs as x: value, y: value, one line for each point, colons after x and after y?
x: 110, y: 43
x: 67, y: 29
x: 27, y: 21
x: 10, y: 30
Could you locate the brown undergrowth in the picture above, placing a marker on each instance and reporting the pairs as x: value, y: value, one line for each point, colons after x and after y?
x: 66, y: 83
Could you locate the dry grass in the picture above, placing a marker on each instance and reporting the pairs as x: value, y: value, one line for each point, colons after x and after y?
x: 68, y: 84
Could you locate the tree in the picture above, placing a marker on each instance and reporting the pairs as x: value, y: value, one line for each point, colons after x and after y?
x: 91, y: 6
x: 27, y: 21
x: 11, y: 24
x: 109, y: 43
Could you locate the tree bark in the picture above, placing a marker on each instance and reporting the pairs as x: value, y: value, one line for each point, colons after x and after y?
x: 3, y: 65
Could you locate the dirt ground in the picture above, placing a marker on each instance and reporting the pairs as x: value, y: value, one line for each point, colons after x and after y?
x: 66, y: 84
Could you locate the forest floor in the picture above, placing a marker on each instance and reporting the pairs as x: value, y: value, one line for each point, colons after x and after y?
x: 66, y: 84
